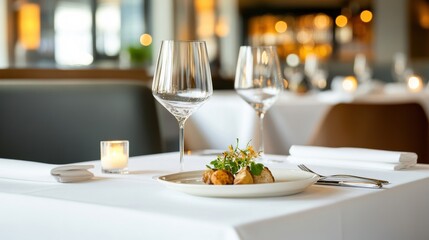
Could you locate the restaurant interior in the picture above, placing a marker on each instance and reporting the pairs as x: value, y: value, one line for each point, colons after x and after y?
x: 77, y: 76
x: 322, y: 46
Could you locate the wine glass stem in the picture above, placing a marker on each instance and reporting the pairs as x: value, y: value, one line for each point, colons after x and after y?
x: 261, y: 132
x: 181, y: 143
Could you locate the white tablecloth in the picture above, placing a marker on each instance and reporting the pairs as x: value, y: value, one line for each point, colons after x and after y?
x: 135, y: 206
x: 291, y: 120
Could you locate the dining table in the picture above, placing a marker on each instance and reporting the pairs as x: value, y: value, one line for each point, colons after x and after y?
x: 292, y: 119
x: 139, y: 205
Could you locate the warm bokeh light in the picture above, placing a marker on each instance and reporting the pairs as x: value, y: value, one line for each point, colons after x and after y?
x: 349, y: 84
x: 281, y: 26
x: 145, y: 39
x: 366, y: 16
x: 206, y: 24
x: 306, y: 20
x: 304, y: 36
x: 205, y: 20
x: 341, y: 21
x: 222, y: 27
x: 204, y: 5
x: 424, y: 21
x: 29, y: 25
x: 323, y: 50
x: 299, y: 35
x: 322, y: 21
x: 415, y: 83
x: 305, y: 50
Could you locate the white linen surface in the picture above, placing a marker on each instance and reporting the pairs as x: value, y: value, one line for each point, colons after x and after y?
x: 352, y: 157
x: 134, y: 206
x: 41, y: 172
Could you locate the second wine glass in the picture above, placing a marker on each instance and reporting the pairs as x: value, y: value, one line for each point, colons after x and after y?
x: 182, y: 81
x: 258, y: 80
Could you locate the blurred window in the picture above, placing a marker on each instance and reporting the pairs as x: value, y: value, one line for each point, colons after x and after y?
x: 73, y: 37
x: 108, y: 27
x: 76, y: 32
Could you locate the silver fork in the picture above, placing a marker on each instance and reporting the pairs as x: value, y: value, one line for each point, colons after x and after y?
x: 305, y: 168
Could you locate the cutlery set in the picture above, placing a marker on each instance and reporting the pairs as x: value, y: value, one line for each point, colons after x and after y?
x: 346, y: 180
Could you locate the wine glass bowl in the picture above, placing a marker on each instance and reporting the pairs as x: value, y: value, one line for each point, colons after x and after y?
x: 260, y: 99
x: 401, y: 69
x: 258, y: 80
x: 362, y: 69
x: 182, y: 81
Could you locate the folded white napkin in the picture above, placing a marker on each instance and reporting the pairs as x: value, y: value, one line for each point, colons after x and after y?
x: 41, y: 172
x: 72, y: 173
x: 352, y: 157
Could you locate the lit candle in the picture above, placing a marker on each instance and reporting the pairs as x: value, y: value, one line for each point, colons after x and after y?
x: 415, y: 83
x: 114, y: 156
x: 349, y: 84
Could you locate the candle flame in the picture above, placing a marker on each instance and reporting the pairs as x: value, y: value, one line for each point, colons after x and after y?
x: 349, y: 84
x: 415, y: 83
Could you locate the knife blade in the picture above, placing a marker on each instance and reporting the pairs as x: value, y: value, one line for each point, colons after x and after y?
x: 340, y: 177
x: 350, y: 184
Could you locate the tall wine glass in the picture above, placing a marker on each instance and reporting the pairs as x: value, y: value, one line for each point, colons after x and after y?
x: 182, y: 81
x: 362, y: 69
x: 258, y: 80
x: 401, y: 69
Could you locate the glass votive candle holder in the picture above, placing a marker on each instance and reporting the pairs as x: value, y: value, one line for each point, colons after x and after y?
x: 114, y: 156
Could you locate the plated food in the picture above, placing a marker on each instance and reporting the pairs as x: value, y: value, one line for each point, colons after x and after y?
x: 237, y: 166
x: 236, y: 174
x: 288, y: 181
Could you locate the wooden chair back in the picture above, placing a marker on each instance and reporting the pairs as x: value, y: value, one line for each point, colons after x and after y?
x: 399, y: 127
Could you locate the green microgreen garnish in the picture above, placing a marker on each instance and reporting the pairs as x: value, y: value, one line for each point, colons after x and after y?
x: 236, y: 158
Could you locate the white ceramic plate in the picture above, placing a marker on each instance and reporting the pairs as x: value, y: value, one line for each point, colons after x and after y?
x: 287, y: 182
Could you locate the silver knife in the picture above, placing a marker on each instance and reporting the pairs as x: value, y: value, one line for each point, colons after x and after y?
x: 350, y: 184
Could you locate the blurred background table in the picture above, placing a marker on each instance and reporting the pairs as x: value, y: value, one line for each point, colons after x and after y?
x: 293, y: 119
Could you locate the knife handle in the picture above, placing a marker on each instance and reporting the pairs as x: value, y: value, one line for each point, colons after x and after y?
x: 351, y: 184
x: 361, y: 184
